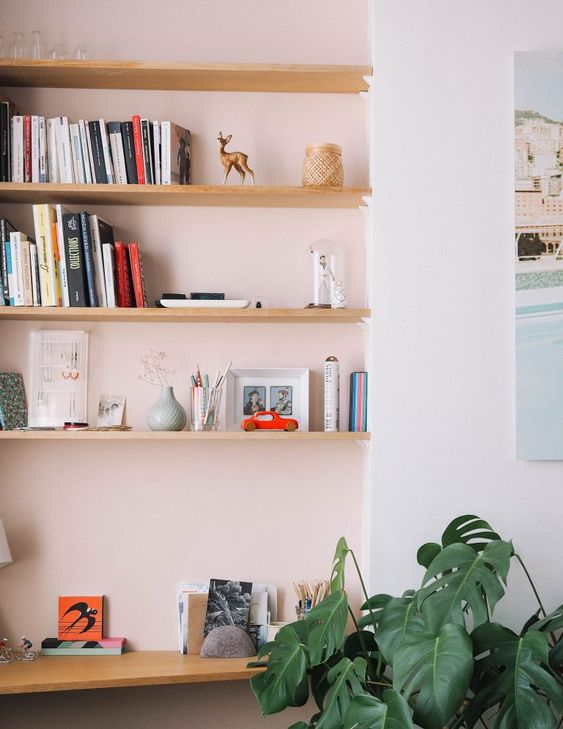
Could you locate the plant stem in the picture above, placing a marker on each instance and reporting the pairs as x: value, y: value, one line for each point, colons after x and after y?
x: 531, y: 583
x: 359, y: 575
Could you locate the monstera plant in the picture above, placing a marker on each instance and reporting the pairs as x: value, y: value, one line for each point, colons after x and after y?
x: 432, y: 658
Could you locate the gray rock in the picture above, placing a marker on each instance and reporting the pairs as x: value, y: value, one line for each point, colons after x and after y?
x: 228, y: 641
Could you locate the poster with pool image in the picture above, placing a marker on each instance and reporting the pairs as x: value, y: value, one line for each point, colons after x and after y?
x: 538, y: 249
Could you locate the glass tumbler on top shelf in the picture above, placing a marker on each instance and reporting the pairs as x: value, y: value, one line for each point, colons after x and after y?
x: 18, y: 48
x: 36, y: 45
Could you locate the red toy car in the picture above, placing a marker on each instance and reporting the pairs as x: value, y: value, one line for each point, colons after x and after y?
x: 269, y: 420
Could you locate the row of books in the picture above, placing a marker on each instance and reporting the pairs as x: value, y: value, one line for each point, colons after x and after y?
x: 72, y: 261
x: 358, y: 402
x: 102, y: 647
x: 137, y: 152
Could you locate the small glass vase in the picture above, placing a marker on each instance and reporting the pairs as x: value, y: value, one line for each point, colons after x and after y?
x: 167, y: 413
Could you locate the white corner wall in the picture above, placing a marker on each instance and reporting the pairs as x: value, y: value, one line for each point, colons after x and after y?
x: 443, y: 339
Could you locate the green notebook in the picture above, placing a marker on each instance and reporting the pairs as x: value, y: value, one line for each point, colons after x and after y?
x: 13, y: 409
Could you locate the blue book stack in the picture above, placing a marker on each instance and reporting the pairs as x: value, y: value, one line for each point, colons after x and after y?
x: 358, y: 402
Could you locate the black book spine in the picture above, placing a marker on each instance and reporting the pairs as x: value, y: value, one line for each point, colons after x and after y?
x: 74, y: 257
x: 97, y: 152
x: 5, y: 171
x: 88, y: 259
x: 129, y: 149
x: 147, y: 152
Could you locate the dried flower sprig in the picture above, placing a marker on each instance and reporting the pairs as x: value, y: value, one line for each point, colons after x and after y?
x: 153, y: 370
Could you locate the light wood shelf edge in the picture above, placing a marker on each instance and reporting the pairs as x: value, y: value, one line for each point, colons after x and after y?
x: 196, y: 316
x: 139, y: 668
x: 186, y: 195
x: 185, y: 435
x: 170, y: 76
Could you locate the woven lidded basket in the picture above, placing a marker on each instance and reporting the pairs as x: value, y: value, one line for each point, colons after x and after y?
x: 323, y: 165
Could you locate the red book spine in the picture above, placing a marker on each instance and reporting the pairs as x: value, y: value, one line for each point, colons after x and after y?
x: 123, y: 276
x: 138, y: 144
x: 137, y: 276
x: 27, y: 147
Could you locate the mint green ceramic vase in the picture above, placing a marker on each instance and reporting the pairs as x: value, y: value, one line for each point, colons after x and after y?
x: 167, y: 413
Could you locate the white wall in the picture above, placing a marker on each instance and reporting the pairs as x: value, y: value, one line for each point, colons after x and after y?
x: 443, y: 342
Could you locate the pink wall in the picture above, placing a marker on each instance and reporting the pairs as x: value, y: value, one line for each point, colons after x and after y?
x: 132, y: 520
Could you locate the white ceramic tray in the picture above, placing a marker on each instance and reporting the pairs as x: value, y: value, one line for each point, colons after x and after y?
x: 205, y: 303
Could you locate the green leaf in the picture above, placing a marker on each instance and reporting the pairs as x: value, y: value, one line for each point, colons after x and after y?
x: 427, y: 552
x: 551, y: 622
x: 556, y: 656
x: 358, y: 642
x: 440, y: 667
x: 469, y: 529
x: 327, y: 622
x: 299, y: 725
x: 338, y: 565
x: 346, y: 679
x: 397, y: 619
x: 512, y: 672
x: 368, y: 712
x: 374, y: 604
x: 458, y: 578
x: 284, y: 682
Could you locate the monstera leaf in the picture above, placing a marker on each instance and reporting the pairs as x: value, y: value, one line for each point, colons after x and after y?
x: 327, y: 624
x: 513, y: 673
x: 338, y: 565
x: 346, y: 680
x: 459, y: 577
x: 368, y: 712
x: 284, y: 682
x: 374, y: 605
x: 467, y: 529
x: 440, y: 666
x: 397, y: 619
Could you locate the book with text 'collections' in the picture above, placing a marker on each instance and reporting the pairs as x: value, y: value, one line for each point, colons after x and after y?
x: 74, y: 258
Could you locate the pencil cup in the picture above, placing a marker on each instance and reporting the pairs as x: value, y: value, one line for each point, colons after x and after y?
x: 205, y: 408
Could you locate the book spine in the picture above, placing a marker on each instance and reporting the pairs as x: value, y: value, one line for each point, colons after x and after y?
x: 42, y: 150
x: 90, y: 152
x: 88, y: 258
x: 17, y: 149
x: 98, y: 261
x: 27, y: 148
x: 81, y: 651
x: 17, y: 269
x: 26, y: 273
x: 137, y: 276
x: 123, y: 285
x: 129, y: 151
x: 63, y: 274
x: 74, y: 257
x: 85, y: 152
x: 43, y: 218
x: 156, y: 150
x: 107, y: 152
x: 165, y: 153
x: 5, y: 139
x: 97, y: 152
x: 109, y: 273
x: 64, y: 151
x: 147, y: 154
x: 76, y: 152
x: 9, y: 271
x: 52, y: 158
x: 34, y: 148
x: 34, y: 265
x: 117, y: 152
x: 138, y: 142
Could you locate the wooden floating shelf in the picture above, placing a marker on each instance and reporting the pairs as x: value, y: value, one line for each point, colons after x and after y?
x: 196, y: 316
x: 184, y: 435
x: 185, y: 195
x: 142, y: 668
x: 184, y: 76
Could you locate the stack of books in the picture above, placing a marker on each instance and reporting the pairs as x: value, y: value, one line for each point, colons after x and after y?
x: 72, y: 261
x: 102, y: 647
x: 358, y: 402
x: 135, y: 152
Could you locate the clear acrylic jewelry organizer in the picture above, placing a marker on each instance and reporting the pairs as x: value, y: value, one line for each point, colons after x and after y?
x: 59, y: 372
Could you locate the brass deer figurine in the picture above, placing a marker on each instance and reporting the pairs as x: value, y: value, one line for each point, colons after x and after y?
x: 238, y: 160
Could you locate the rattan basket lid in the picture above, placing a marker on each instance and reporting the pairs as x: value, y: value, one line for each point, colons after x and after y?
x: 323, y: 147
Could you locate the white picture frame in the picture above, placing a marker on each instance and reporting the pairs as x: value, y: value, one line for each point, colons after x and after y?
x: 268, y: 383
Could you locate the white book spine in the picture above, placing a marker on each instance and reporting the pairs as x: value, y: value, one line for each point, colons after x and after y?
x: 42, y: 150
x: 165, y: 176
x: 109, y: 274
x: 35, y: 149
x: 17, y: 267
x: 63, y: 274
x: 106, y: 150
x: 17, y: 149
x: 26, y: 273
x: 90, y: 153
x: 86, y: 153
x: 97, y: 255
x: 156, y: 147
x: 118, y: 156
x: 76, y: 148
x: 52, y: 158
x: 34, y: 263
x: 64, y: 151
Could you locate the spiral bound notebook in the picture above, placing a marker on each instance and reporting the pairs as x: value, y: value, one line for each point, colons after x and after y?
x: 13, y: 408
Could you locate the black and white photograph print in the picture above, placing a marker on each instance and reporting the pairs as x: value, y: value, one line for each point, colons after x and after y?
x: 110, y: 410
x: 228, y: 603
x: 254, y: 399
x: 281, y: 398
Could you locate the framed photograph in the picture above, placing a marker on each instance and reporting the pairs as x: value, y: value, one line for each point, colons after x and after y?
x: 285, y: 391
